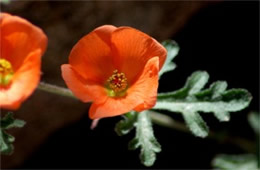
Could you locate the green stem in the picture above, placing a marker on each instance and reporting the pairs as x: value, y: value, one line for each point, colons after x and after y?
x: 56, y: 90
x: 167, y: 121
x: 163, y: 120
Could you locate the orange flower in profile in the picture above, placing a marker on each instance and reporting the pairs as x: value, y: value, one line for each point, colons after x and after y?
x: 22, y: 45
x: 115, y: 68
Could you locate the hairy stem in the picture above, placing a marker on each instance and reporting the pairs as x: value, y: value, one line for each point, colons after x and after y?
x: 163, y: 120
x: 56, y: 90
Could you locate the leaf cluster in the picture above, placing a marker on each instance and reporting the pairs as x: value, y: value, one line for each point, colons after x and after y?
x: 6, y: 140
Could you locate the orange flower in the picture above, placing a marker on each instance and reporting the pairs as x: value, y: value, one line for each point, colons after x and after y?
x: 22, y: 45
x: 115, y: 68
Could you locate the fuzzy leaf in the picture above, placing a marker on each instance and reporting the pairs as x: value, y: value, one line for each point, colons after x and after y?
x: 124, y: 126
x: 145, y: 139
x: 172, y: 51
x: 192, y: 99
x: 196, y: 124
x: 237, y: 162
x: 6, y: 140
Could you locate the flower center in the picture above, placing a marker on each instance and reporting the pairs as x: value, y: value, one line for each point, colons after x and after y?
x: 6, y: 72
x: 117, y: 84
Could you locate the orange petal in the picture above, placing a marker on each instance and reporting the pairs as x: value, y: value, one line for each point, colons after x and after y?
x: 18, y: 38
x: 147, y: 85
x: 85, y: 90
x: 134, y: 49
x: 105, y: 32
x: 91, y: 57
x: 113, y: 107
x: 24, y: 82
x: 140, y: 96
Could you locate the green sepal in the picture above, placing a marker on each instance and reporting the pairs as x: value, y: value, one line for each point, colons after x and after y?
x: 124, y: 126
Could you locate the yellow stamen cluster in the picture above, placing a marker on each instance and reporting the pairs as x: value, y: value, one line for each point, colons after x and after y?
x: 6, y: 72
x: 117, y: 82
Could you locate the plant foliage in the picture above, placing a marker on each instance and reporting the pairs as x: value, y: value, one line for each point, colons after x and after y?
x: 144, y: 138
x: 190, y: 101
x: 193, y: 98
x: 6, y: 140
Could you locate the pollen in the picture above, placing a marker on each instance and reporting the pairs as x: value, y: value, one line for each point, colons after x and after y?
x: 6, y: 72
x: 117, y: 82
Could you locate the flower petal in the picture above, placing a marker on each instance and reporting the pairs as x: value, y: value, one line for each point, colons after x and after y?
x: 18, y: 38
x: 85, y: 90
x: 147, y: 85
x: 24, y: 82
x: 104, y: 32
x: 142, y: 95
x: 134, y: 49
x: 113, y: 107
x: 91, y: 57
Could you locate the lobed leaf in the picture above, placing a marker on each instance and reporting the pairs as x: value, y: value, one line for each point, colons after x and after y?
x: 172, y: 51
x: 145, y: 140
x: 144, y: 137
x: 192, y: 99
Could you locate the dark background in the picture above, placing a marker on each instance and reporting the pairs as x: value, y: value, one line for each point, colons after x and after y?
x: 222, y: 39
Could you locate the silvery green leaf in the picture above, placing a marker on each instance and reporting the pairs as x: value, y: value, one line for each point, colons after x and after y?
x: 172, y: 51
x: 193, y: 99
x: 145, y: 139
